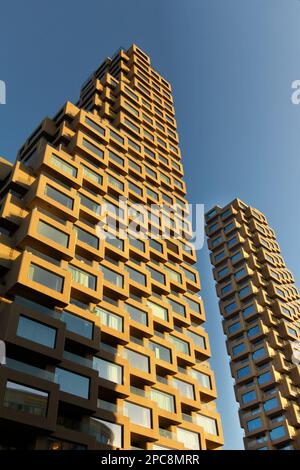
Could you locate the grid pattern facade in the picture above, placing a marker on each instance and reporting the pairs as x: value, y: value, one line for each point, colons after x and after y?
x: 260, y: 306
x: 104, y: 338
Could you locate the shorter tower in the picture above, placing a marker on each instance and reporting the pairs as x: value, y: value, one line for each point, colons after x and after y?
x: 260, y: 306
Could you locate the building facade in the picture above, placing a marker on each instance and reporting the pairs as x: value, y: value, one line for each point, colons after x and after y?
x: 105, y: 345
x: 260, y: 306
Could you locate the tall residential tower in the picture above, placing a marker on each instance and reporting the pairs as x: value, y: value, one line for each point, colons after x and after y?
x: 260, y: 306
x: 104, y: 338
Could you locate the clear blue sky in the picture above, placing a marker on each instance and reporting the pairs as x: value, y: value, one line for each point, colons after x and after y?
x: 231, y: 64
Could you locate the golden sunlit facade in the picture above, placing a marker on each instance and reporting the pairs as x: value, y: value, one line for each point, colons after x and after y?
x: 104, y: 338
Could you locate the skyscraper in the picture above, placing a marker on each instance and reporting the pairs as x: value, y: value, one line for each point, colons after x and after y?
x: 104, y: 338
x: 260, y: 306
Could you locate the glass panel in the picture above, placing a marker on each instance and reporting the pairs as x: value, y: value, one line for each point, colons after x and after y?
x: 136, y: 314
x: 59, y: 197
x: 88, y: 145
x: 110, y: 319
x: 105, y: 432
x: 112, y: 276
x: 158, y: 310
x: 136, y: 276
x: 53, y: 234
x: 64, y: 166
x: 87, y: 238
x: 203, y: 379
x: 209, y: 424
x: 136, y: 360
x: 92, y: 175
x: 78, y: 325
x: 163, y: 400
x: 89, y: 204
x: 28, y: 400
x: 45, y: 278
x: 108, y: 371
x: 82, y: 277
x: 95, y: 126
x: 160, y: 352
x: 180, y: 345
x: 138, y: 414
x: 185, y: 389
x: 36, y: 332
x: 72, y: 383
x: 188, y: 438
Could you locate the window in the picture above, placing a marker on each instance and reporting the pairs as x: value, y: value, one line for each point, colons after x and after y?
x: 115, y: 183
x: 112, y: 276
x: 133, y: 187
x: 243, y: 372
x: 238, y: 349
x: 199, y: 340
x: 53, y: 234
x: 174, y: 275
x: 36, y: 332
x: 88, y: 145
x: 161, y: 352
x: 185, y: 389
x: 108, y: 370
x: 156, y: 275
x: 270, y: 404
x: 245, y: 291
x: 266, y: 377
x: 92, y: 175
x: 87, y: 238
x: 138, y: 414
x: 255, y: 330
x: 277, y: 433
x: 240, y: 273
x: 45, y: 278
x: 78, y: 325
x: 203, y: 379
x: 163, y: 400
x: 136, y: 276
x: 180, y: 345
x: 83, y: 278
x: 209, y: 424
x: 72, y: 383
x: 137, y: 314
x: 110, y: 319
x: 190, y: 439
x: 89, y: 204
x: 254, y: 424
x: 234, y: 327
x: 216, y: 241
x: 194, y: 306
x: 115, y: 158
x: 59, y: 197
x: 137, y: 360
x: 95, y: 126
x: 236, y: 257
x: 25, y: 399
x: 249, y: 396
x: 223, y: 272
x: 177, y: 308
x: 261, y: 352
x: 230, y: 307
x: 158, y: 311
x: 106, y: 433
x: 219, y: 256
x: 226, y: 289
x: 248, y: 310
x: 64, y: 166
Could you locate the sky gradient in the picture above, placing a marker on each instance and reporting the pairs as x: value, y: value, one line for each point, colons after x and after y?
x: 231, y: 65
